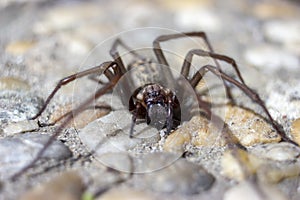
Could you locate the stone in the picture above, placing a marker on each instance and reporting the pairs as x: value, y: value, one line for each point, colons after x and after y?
x: 197, y: 132
x: 80, y: 120
x: 295, y: 130
x: 238, y: 164
x: 287, y: 93
x: 245, y: 126
x: 12, y: 83
x: 16, y: 152
x: 181, y: 177
x: 66, y: 17
x: 275, y: 172
x: 283, y: 152
x: 125, y: 194
x: 204, y: 18
x: 286, y: 32
x: 248, y: 190
x: 19, y: 47
x: 176, y: 141
x: 66, y: 186
x: 268, y: 162
x: 20, y: 127
x: 18, y: 106
x: 277, y: 9
x: 108, y: 138
x: 249, y: 128
x: 282, y: 31
x: 269, y: 57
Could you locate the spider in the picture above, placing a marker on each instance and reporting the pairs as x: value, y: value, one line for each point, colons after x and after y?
x: 156, y: 104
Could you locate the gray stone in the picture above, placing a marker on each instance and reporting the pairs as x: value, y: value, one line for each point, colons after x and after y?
x: 17, y: 151
x: 15, y: 106
x: 277, y: 151
x: 286, y: 32
x: 20, y: 127
x: 268, y: 57
x: 248, y: 190
x: 108, y: 139
x: 66, y: 186
x: 181, y: 176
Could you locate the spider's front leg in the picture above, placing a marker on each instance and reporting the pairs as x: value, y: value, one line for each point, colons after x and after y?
x: 100, y: 69
x: 104, y: 89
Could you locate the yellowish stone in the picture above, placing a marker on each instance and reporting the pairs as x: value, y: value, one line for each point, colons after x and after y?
x: 179, y: 5
x: 248, y: 127
x: 67, y: 186
x: 176, y: 141
x: 271, y: 173
x: 19, y: 47
x: 295, y: 130
x: 239, y: 164
x: 11, y: 83
x: 82, y: 119
x: 271, y: 10
x: 125, y: 194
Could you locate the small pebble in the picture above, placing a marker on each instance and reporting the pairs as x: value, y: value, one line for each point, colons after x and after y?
x: 17, y: 106
x: 274, y: 172
x: 19, y: 47
x: 66, y: 186
x: 239, y: 164
x: 253, y: 191
x: 295, y: 130
x: 125, y: 194
x: 248, y: 127
x: 80, y: 120
x: 66, y: 17
x: 20, y: 127
x: 109, y: 138
x: 204, y: 19
x: 16, y: 152
x: 181, y: 177
x: 275, y: 9
x: 283, y: 31
x: 11, y: 83
x: 278, y: 151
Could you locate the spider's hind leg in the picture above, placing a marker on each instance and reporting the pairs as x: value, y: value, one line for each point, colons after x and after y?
x: 249, y: 92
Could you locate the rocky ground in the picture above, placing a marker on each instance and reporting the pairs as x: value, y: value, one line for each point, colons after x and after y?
x: 93, y: 157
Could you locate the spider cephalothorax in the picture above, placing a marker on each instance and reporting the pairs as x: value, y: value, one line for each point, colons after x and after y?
x: 156, y: 104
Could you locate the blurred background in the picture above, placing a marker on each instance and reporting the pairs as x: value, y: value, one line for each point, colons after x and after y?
x: 42, y: 41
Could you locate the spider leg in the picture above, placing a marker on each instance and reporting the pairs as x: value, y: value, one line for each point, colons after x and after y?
x: 170, y: 116
x: 162, y: 59
x: 68, y: 118
x: 98, y: 69
x: 249, y: 92
x: 163, y: 38
x: 116, y: 56
x: 188, y: 60
x: 106, y: 107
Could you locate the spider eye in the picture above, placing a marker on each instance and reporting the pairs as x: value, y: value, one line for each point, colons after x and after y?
x: 157, y: 115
